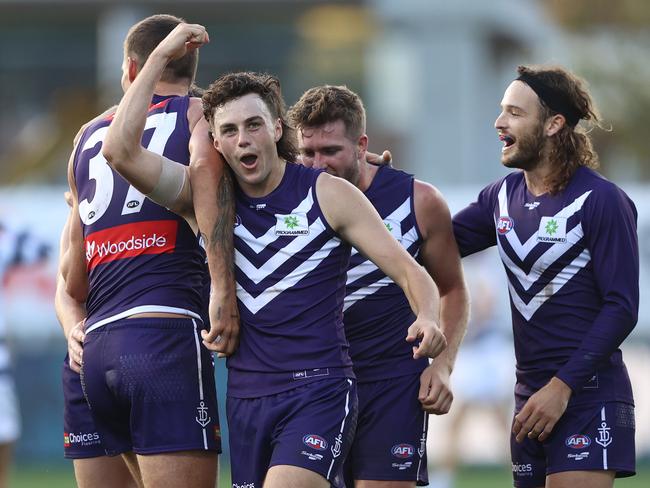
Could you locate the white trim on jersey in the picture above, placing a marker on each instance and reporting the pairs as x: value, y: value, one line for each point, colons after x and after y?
x: 143, y: 309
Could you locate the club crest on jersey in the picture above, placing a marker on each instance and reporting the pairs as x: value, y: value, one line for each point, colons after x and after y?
x: 505, y: 225
x: 577, y: 441
x: 315, y: 442
x: 552, y: 229
x: 291, y: 225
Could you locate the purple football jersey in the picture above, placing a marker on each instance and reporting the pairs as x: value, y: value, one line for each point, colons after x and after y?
x: 377, y: 314
x: 572, y: 264
x: 290, y: 270
x: 140, y: 256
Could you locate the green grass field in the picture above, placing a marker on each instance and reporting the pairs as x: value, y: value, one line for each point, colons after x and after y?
x: 470, y: 477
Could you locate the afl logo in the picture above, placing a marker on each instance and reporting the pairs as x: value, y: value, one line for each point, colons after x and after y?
x: 315, y: 442
x: 577, y: 441
x: 132, y: 204
x: 402, y: 451
x: 504, y: 225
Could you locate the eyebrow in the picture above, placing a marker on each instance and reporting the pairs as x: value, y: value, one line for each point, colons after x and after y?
x: 516, y: 107
x: 226, y: 125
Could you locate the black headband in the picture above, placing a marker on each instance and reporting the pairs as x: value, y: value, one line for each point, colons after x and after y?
x: 553, y: 99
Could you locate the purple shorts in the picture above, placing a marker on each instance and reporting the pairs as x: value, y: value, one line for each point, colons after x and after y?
x: 586, y: 438
x: 390, y: 443
x: 80, y: 437
x: 150, y: 386
x: 310, y: 426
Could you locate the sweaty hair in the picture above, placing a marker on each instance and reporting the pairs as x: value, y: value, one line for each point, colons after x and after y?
x: 571, y: 146
x: 143, y: 38
x: 324, y: 104
x: 235, y: 85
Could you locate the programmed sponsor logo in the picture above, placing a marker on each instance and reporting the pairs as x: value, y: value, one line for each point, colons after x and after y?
x: 522, y: 469
x: 130, y: 240
x: 505, y: 225
x: 82, y: 439
x: 577, y: 441
x: 315, y: 442
x: 402, y: 451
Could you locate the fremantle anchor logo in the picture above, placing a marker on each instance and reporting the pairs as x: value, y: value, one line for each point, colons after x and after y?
x: 202, y: 419
x: 604, y: 437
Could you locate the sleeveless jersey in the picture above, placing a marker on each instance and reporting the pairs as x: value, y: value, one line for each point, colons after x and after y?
x: 140, y: 256
x: 572, y: 265
x: 290, y: 270
x: 377, y: 314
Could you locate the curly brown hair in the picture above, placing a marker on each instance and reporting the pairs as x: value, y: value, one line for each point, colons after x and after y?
x: 235, y: 85
x: 323, y: 104
x: 571, y: 146
x: 143, y: 38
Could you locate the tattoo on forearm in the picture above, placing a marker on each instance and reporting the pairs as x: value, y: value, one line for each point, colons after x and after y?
x: 222, y: 233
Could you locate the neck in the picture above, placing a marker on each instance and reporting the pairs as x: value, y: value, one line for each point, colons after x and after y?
x: 367, y: 173
x: 165, y: 89
x: 270, y: 183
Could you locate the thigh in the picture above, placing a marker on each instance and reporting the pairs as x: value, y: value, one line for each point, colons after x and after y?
x: 104, y: 471
x: 315, y: 428
x: 594, y: 437
x: 528, y: 458
x: 294, y: 477
x: 581, y: 479
x: 390, y: 442
x: 80, y: 437
x: 188, y: 469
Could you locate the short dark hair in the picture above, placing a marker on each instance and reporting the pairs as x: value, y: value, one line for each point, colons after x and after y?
x: 327, y: 103
x: 235, y: 85
x: 571, y: 146
x: 143, y: 38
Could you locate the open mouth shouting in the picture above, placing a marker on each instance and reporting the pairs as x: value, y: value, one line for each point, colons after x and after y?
x: 248, y: 160
x: 508, y: 141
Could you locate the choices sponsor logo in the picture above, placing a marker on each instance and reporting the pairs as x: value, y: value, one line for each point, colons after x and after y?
x: 130, y: 240
x: 577, y: 441
x: 82, y: 438
x: 522, y: 469
x: 315, y: 442
x: 402, y: 451
x: 505, y: 225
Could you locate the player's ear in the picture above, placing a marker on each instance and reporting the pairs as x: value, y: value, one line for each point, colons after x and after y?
x: 132, y: 68
x: 362, y: 147
x: 554, y: 124
x: 278, y: 130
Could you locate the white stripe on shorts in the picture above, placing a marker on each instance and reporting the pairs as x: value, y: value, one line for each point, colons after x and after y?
x: 603, y: 419
x: 347, y: 411
x: 200, y: 371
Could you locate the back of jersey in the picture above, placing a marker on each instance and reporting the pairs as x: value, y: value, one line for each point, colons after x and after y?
x: 140, y: 256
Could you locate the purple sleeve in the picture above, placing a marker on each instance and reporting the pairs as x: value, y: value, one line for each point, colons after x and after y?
x: 609, y: 224
x: 474, y: 225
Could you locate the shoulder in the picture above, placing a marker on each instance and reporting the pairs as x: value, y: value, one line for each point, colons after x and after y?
x: 602, y: 191
x: 194, y: 112
x: 428, y: 198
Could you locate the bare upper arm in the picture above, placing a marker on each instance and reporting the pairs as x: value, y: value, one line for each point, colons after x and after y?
x: 353, y: 217
x: 439, y: 251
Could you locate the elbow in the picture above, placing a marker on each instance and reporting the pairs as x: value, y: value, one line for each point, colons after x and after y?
x: 116, y: 152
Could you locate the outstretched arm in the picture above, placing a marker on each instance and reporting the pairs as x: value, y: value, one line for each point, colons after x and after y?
x: 163, y: 180
x: 441, y: 259
x: 212, y: 194
x: 351, y: 215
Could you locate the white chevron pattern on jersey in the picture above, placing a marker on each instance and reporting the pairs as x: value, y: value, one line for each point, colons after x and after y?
x: 367, y: 266
x: 299, y: 242
x: 527, y: 280
x: 522, y: 250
